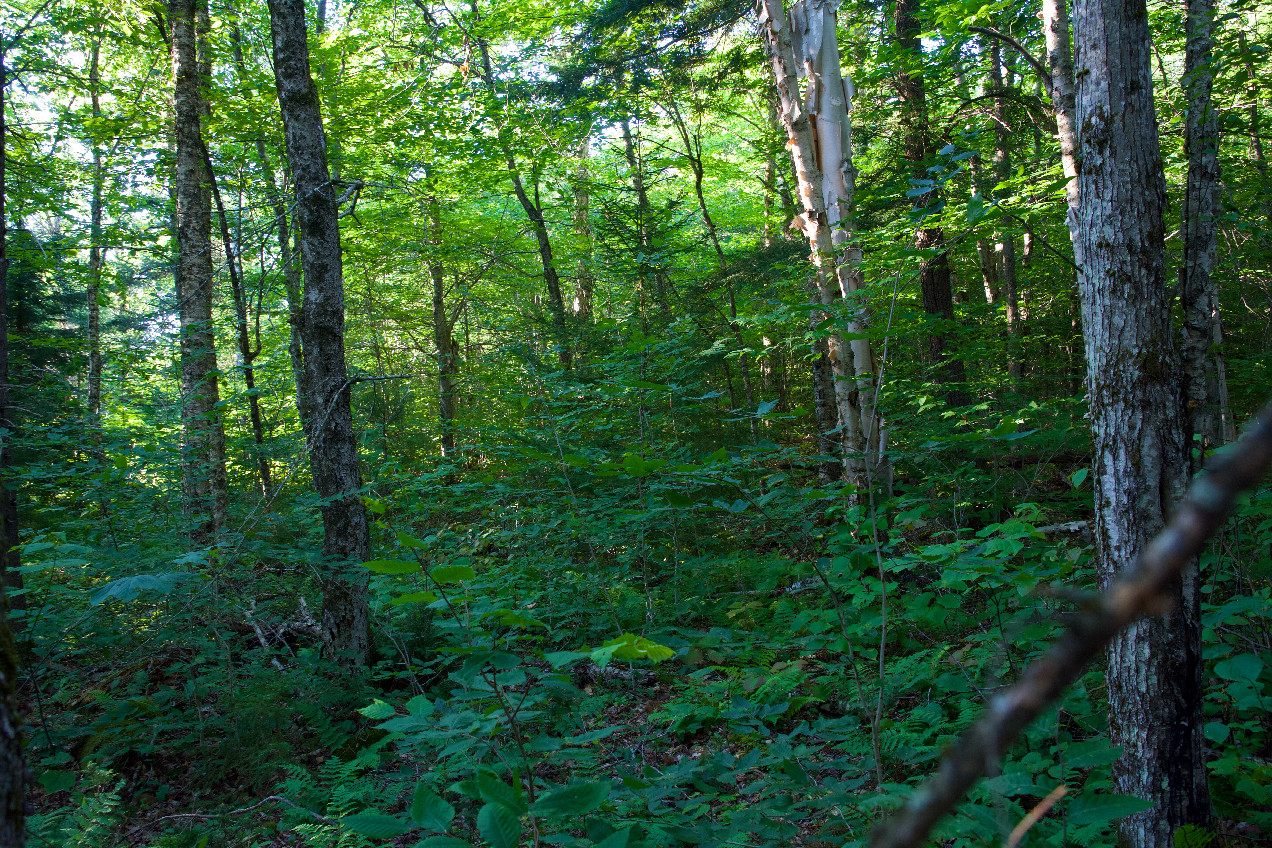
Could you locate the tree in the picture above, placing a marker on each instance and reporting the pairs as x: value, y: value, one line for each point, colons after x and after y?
x: 1141, y: 462
x: 12, y: 762
x: 329, y: 433
x: 207, y: 488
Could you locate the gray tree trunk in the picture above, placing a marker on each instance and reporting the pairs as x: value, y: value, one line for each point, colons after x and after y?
x: 206, y: 484
x: 1005, y: 249
x: 1060, y: 87
x: 1141, y: 464
x: 329, y: 433
x: 1205, y: 382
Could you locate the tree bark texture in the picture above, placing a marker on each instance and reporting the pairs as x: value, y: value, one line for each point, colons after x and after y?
x: 935, y: 287
x: 207, y: 488
x: 1205, y: 383
x: 329, y: 433
x: 1060, y: 87
x: 820, y: 141
x: 1141, y: 464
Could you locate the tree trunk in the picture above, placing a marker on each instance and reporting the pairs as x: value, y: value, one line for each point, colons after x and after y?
x: 1060, y: 87
x: 936, y: 291
x: 584, y: 282
x: 96, y: 259
x: 10, y: 553
x: 819, y: 138
x: 207, y: 492
x: 246, y: 352
x: 1005, y: 249
x: 1205, y: 383
x: 329, y: 433
x: 534, y: 213
x: 443, y: 335
x: 647, y: 271
x: 1141, y: 464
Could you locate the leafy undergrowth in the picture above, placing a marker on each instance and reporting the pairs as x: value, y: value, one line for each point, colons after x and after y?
x: 613, y: 651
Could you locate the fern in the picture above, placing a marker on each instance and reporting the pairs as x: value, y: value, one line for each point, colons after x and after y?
x: 87, y: 821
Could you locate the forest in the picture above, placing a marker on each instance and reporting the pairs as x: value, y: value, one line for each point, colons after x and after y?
x: 638, y: 424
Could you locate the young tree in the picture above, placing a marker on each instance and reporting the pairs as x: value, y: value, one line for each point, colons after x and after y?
x: 12, y: 762
x: 1206, y: 386
x: 329, y: 433
x: 1141, y: 464
x: 207, y: 488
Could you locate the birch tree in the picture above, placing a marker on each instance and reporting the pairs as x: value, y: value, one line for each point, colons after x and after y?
x: 804, y: 45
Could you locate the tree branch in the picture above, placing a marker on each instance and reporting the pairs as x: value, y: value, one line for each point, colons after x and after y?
x: 1143, y: 590
x: 1033, y: 61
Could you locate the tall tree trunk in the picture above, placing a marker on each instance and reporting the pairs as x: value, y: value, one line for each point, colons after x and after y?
x: 286, y: 256
x: 584, y: 282
x: 1141, y: 464
x: 10, y: 553
x: 96, y: 259
x: 329, y: 433
x: 1005, y: 249
x: 443, y: 335
x: 1060, y: 87
x: 1205, y: 383
x: 206, y: 484
x: 820, y: 142
x: 534, y: 213
x: 935, y: 286
x: 647, y: 271
x: 247, y: 353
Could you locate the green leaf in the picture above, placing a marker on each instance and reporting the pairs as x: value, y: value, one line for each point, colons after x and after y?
x: 429, y: 810
x: 442, y: 842
x: 415, y: 598
x: 420, y: 705
x: 1077, y: 477
x: 1091, y: 753
x: 492, y: 789
x: 631, y: 647
x: 391, y: 566
x: 127, y: 588
x: 557, y: 659
x: 580, y: 798
x: 1013, y: 784
x: 499, y: 826
x: 1216, y: 731
x: 453, y: 573
x: 617, y: 839
x: 56, y: 781
x: 1101, y: 809
x: 1240, y: 667
x: 679, y: 500
x: 376, y: 825
x: 377, y: 710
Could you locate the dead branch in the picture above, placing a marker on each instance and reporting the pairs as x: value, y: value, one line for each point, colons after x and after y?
x: 1142, y: 590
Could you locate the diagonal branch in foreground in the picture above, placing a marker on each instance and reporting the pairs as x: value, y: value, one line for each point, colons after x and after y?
x: 1143, y: 590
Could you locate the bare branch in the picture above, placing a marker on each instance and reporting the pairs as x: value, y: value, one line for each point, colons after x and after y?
x: 1033, y: 60
x: 1145, y: 589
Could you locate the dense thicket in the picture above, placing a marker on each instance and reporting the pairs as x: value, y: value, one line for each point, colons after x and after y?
x: 636, y: 574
